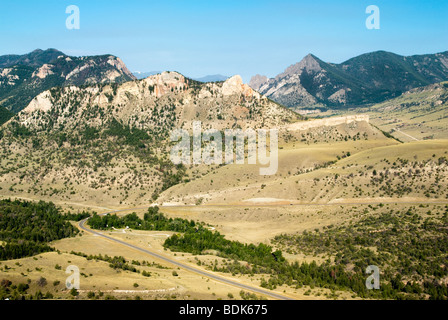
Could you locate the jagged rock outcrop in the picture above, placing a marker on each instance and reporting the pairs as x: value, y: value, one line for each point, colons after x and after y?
x: 158, y: 103
x: 334, y: 121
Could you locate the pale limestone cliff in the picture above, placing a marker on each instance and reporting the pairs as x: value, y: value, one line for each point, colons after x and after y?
x: 326, y: 122
x: 43, y: 71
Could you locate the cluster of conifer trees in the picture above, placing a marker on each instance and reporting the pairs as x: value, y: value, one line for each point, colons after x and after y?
x: 261, y: 258
x: 26, y: 227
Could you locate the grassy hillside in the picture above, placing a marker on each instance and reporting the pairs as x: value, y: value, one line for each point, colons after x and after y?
x: 346, y: 195
x: 418, y: 114
x: 104, y: 145
x: 302, y: 156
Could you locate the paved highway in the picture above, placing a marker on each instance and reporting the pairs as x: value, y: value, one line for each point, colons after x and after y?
x: 208, y: 274
x: 182, y: 265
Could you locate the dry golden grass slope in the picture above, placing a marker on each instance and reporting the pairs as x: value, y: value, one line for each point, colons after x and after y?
x: 407, y: 171
x: 419, y: 114
x: 302, y: 155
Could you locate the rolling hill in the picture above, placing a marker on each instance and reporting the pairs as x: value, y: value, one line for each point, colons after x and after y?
x: 347, y: 193
x: 108, y: 143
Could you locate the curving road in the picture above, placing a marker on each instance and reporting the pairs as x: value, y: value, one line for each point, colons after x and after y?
x: 211, y: 275
x: 179, y: 264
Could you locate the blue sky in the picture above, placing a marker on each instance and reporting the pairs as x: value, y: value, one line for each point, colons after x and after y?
x: 246, y: 37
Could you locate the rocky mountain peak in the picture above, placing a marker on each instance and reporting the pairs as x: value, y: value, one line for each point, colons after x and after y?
x: 257, y: 81
x: 23, y: 77
x: 119, y: 64
x: 365, y: 79
x: 308, y: 63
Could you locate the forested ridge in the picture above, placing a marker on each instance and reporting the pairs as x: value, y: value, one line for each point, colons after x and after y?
x: 26, y: 227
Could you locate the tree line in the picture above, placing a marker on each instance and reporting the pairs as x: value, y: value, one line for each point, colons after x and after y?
x: 262, y: 259
x: 26, y: 227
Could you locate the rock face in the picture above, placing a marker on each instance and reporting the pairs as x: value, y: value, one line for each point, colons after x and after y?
x: 366, y: 79
x: 235, y: 85
x: 40, y: 103
x: 305, y: 125
x: 257, y: 81
x: 288, y: 88
x: 108, y: 137
x: 158, y: 103
x: 43, y: 71
x: 24, y: 77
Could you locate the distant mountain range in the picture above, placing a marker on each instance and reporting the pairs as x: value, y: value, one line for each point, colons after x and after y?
x: 142, y: 75
x: 210, y: 78
x: 311, y: 83
x: 366, y: 79
x: 22, y: 77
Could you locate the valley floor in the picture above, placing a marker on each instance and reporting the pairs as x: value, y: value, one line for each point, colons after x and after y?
x: 323, y: 190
